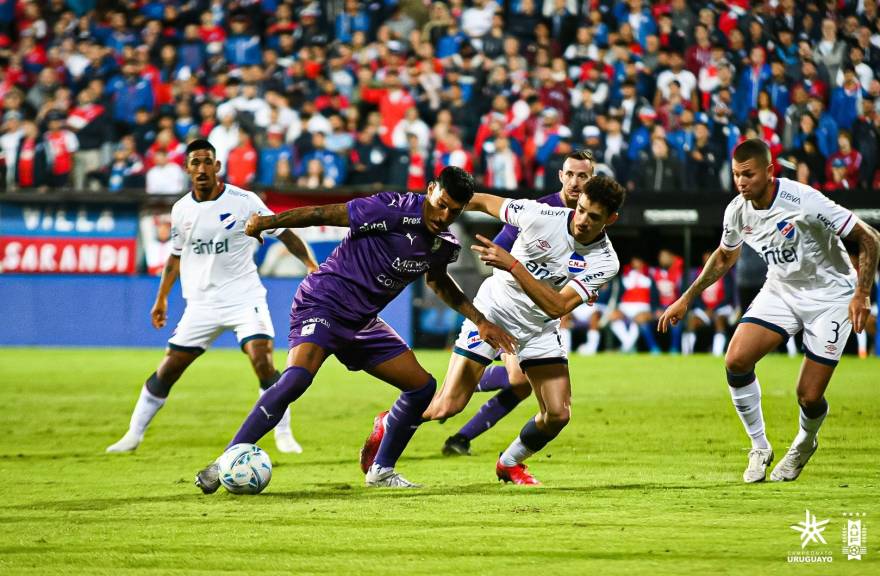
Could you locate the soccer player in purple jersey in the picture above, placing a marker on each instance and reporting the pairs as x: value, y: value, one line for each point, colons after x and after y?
x: 393, y: 240
x: 510, y: 381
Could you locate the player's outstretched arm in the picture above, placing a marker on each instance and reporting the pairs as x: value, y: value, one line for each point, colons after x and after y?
x: 716, y: 266
x: 327, y: 215
x: 300, y: 249
x: 868, y: 240
x: 486, y: 203
x: 448, y: 290
x: 159, y: 312
x: 554, y: 304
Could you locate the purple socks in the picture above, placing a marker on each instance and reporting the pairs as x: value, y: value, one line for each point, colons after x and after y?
x: 403, y: 420
x: 494, y: 378
x: 490, y: 413
x: 271, y: 406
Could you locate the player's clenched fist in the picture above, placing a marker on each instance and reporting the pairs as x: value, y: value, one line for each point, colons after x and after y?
x: 158, y: 313
x: 253, y: 227
x: 672, y: 315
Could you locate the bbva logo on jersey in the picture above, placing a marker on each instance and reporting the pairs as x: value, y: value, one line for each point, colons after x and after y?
x: 227, y: 220
x: 576, y: 263
x: 786, y: 228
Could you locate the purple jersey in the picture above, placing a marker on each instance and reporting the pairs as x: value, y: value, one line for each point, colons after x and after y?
x: 508, y: 234
x: 386, y: 248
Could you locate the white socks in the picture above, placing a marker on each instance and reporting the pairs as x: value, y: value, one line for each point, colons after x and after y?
x: 688, y: 341
x: 791, y: 347
x: 515, y: 453
x: 862, y: 340
x: 146, y: 407
x: 809, y: 429
x: 718, y: 343
x: 628, y: 335
x: 747, y: 401
x: 592, y: 344
x: 283, y: 424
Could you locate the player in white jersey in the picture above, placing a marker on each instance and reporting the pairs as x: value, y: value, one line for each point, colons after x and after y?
x: 810, y: 286
x: 559, y: 261
x: 215, y: 261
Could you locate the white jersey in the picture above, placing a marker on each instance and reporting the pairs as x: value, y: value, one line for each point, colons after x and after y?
x: 216, y: 257
x: 551, y: 254
x: 798, y: 236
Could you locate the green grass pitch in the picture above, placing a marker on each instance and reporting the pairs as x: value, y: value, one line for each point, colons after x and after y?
x: 645, y: 480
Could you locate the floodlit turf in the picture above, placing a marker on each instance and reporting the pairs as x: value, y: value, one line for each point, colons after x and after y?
x: 646, y: 479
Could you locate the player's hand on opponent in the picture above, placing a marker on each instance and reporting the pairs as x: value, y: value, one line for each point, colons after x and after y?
x: 493, y: 254
x: 158, y: 314
x: 496, y: 337
x: 859, y: 311
x: 253, y: 227
x: 672, y: 315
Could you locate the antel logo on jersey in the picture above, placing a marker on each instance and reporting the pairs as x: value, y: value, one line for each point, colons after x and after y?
x: 576, y: 263
x: 778, y: 256
x: 412, y: 220
x: 210, y: 247
x: 473, y: 340
x: 786, y: 228
x: 227, y: 220
x: 410, y: 266
x: 371, y: 226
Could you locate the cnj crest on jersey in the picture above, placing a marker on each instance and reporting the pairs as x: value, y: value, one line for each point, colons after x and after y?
x: 576, y: 263
x: 227, y: 220
x: 786, y: 228
x: 473, y: 340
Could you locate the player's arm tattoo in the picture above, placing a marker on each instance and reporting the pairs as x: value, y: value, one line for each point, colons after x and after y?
x: 169, y: 276
x: 298, y: 248
x: 448, y: 290
x: 716, y: 266
x: 868, y: 240
x: 327, y: 215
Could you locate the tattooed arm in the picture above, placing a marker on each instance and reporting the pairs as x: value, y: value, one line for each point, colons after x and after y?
x: 868, y: 240
x: 328, y: 215
x: 717, y: 266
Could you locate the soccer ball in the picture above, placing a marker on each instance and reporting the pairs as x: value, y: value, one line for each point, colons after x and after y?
x: 245, y: 469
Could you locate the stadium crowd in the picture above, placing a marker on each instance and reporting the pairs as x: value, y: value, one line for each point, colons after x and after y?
x: 105, y: 95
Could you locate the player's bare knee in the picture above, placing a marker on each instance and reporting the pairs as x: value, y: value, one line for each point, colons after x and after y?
x: 810, y: 398
x: 521, y: 390
x: 557, y: 419
x: 737, y: 363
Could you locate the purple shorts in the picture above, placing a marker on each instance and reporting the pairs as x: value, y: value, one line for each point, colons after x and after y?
x: 359, y: 348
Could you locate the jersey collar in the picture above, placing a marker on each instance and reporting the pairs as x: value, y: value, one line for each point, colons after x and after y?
x: 193, y: 194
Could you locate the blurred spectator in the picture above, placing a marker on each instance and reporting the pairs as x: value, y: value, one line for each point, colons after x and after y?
x: 503, y: 168
x: 333, y: 165
x: 224, y: 137
x: 846, y: 99
x: 61, y: 144
x: 165, y: 177
x: 242, y: 162
x: 30, y: 159
x: 314, y: 177
x: 273, y: 153
x: 129, y: 93
x: 411, y: 124
x: 659, y: 171
x: 127, y: 170
x: 703, y: 162
x: 91, y: 124
x: 842, y: 170
x: 13, y: 132
x: 830, y: 50
x: 368, y: 159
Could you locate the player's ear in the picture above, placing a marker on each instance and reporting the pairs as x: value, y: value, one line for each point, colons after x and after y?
x: 612, y: 219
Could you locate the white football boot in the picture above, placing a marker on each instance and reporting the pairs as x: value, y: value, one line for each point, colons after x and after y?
x: 789, y: 468
x: 285, y: 442
x: 759, y: 460
x: 387, y: 479
x: 127, y: 443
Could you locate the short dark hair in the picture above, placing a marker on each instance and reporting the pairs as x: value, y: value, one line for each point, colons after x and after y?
x: 200, y: 144
x: 457, y: 183
x: 606, y: 191
x: 583, y: 154
x: 753, y: 148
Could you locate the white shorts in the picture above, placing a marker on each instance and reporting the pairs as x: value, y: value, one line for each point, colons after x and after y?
x: 543, y: 348
x: 633, y: 309
x: 825, y: 322
x: 725, y: 311
x: 582, y: 314
x: 200, y: 325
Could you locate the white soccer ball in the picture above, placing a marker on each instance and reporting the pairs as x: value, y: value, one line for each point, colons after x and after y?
x: 245, y: 469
